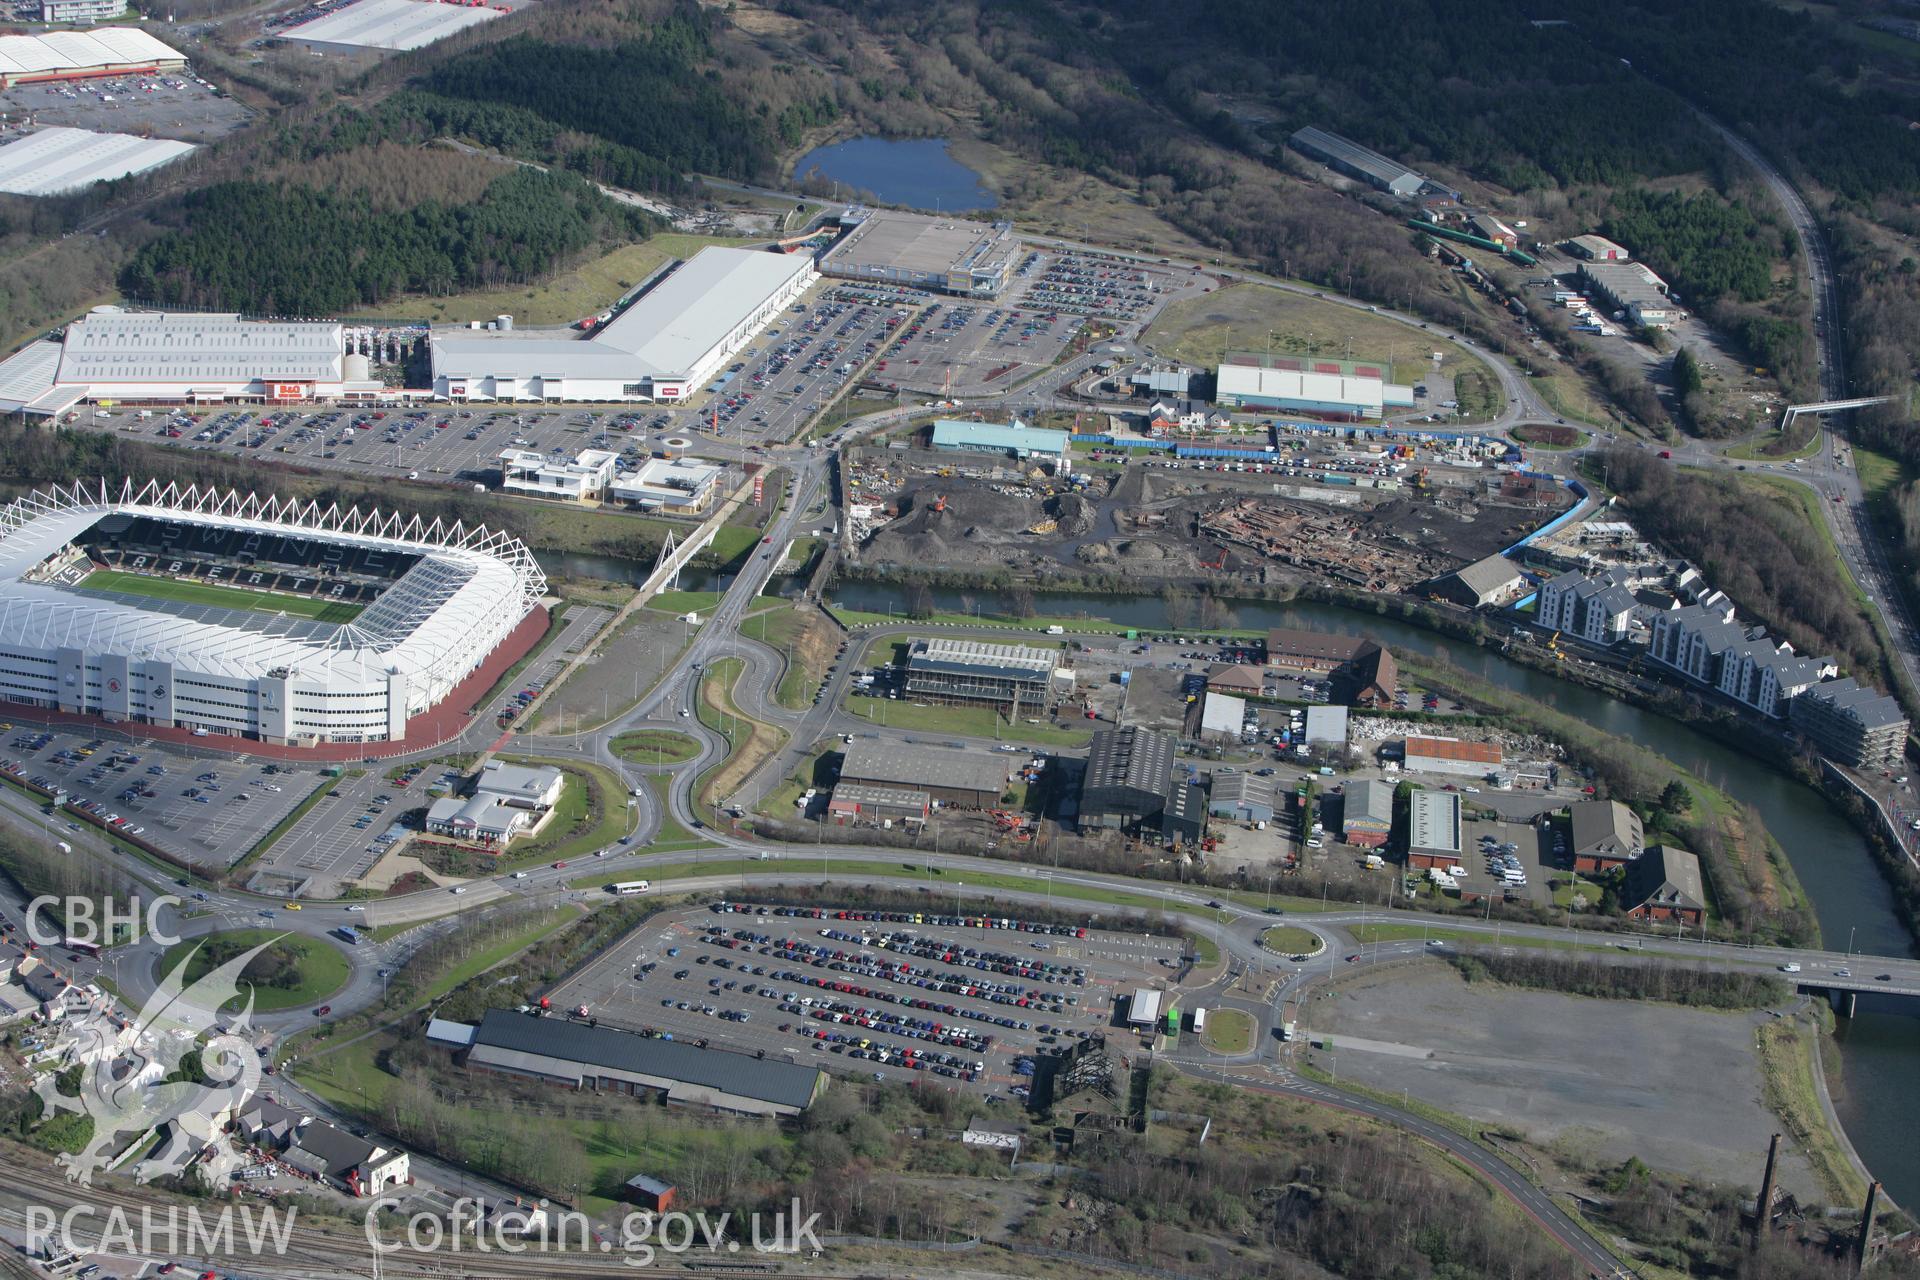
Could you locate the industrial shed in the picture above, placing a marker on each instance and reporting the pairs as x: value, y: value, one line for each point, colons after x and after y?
x: 388, y: 24
x: 606, y: 1060
x: 56, y: 160
x: 1241, y: 797
x: 970, y: 779
x: 81, y: 55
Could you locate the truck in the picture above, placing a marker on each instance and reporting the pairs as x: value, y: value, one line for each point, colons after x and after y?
x: 1056, y: 631
x: 1199, y: 1021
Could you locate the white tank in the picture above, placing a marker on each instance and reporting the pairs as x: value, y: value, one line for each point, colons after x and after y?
x: 503, y: 322
x: 356, y: 368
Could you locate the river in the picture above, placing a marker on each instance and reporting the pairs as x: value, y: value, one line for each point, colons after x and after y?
x: 917, y: 172
x: 1880, y: 1048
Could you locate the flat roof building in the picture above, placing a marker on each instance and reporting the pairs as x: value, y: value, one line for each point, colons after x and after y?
x: 583, y: 478
x: 56, y: 160
x: 662, y: 347
x: 1014, y: 440
x: 969, y: 779
x: 678, y: 486
x: 1433, y: 832
x: 610, y: 1061
x: 1355, y: 161
x: 946, y: 255
x: 1326, y: 726
x: 955, y: 670
x: 1222, y: 717
x: 82, y: 11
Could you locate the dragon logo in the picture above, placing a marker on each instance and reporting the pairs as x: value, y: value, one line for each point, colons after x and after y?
x: 131, y: 1081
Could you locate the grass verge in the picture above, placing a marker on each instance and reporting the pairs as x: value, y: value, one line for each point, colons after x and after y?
x: 966, y: 722
x: 1228, y: 1031
x: 655, y: 747
x: 1785, y: 1047
x: 1292, y: 940
x: 310, y: 969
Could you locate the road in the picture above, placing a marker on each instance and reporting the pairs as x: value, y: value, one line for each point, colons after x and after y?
x: 672, y: 704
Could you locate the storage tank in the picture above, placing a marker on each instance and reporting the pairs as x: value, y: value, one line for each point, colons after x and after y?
x: 503, y: 322
x: 356, y: 368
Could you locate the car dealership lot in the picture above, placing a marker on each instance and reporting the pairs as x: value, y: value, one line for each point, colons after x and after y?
x: 913, y: 995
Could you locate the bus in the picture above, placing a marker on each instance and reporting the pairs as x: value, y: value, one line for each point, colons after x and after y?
x: 84, y: 948
x: 627, y: 888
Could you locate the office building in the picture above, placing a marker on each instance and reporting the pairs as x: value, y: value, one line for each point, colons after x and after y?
x: 1010, y: 675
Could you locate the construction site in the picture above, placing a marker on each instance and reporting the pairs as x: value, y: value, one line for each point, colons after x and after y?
x: 1164, y: 520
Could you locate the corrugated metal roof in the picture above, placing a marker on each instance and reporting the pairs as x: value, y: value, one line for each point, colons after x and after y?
x: 917, y: 767
x: 1288, y: 384
x: 994, y: 435
x: 1435, y: 822
x: 779, y: 1083
x: 1223, y: 713
x: 114, y: 346
x: 1326, y: 724
x: 58, y: 159
x: 1453, y: 749
x: 391, y: 24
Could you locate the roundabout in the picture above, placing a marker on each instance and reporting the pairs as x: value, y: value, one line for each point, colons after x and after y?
x: 1292, y: 940
x: 294, y: 971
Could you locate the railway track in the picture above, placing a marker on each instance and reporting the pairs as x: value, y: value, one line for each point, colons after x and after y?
x: 331, y: 1251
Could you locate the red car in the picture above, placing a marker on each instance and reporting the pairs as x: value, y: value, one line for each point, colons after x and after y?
x: 323, y: 1011
x: 558, y: 865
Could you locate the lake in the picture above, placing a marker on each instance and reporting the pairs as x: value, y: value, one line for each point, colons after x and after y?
x: 917, y: 172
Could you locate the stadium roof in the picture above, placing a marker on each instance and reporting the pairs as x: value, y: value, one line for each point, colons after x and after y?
x: 58, y: 159
x: 662, y: 335
x: 465, y: 577
x: 390, y: 24
x: 766, y: 1080
x: 108, y: 345
x: 81, y: 50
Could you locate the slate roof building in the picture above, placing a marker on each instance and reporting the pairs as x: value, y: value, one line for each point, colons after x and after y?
x: 1606, y: 834
x: 1665, y: 884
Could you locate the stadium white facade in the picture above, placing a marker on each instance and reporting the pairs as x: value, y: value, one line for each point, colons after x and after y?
x: 439, y: 600
x: 662, y: 348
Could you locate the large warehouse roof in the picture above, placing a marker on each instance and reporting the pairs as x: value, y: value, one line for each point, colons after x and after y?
x: 108, y: 345
x: 663, y: 335
x: 902, y: 765
x: 692, y: 310
x: 1013, y: 661
x: 26, y: 381
x: 1251, y: 382
x: 391, y: 24
x: 768, y: 1080
x: 82, y: 50
x: 463, y: 577
x: 59, y: 159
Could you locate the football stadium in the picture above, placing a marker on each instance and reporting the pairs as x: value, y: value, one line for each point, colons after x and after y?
x: 220, y: 614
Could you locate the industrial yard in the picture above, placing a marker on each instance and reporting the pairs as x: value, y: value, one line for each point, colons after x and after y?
x: 1260, y: 523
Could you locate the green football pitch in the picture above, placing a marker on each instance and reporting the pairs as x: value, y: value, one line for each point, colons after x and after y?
x: 140, y: 584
